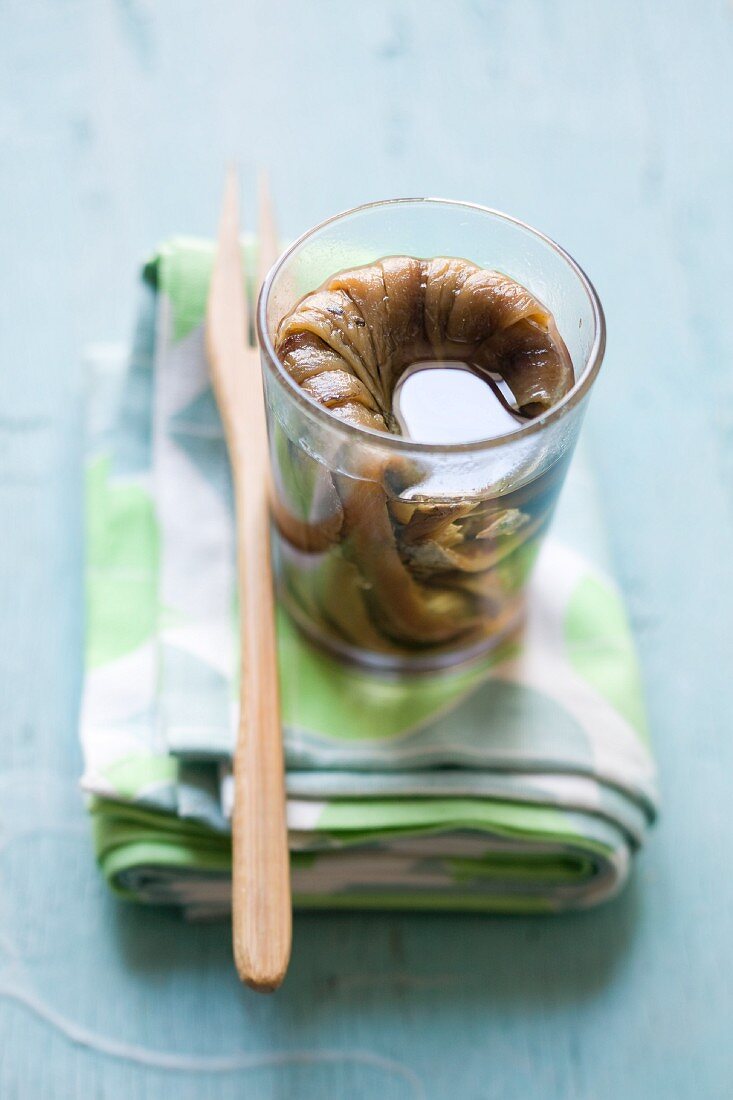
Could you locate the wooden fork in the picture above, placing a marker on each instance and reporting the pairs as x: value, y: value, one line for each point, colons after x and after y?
x: 261, y: 902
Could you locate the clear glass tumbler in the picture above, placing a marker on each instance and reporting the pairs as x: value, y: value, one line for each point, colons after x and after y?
x: 406, y: 555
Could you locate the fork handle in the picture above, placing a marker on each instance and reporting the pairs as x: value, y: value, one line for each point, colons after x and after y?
x: 261, y: 902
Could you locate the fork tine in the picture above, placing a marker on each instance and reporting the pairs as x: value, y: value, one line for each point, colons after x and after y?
x: 230, y: 231
x: 247, y: 301
x: 227, y: 307
x: 267, y: 238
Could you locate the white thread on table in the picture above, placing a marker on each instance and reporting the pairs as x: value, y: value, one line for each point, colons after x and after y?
x: 182, y: 1063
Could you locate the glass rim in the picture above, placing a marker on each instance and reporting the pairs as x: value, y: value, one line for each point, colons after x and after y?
x: 355, y: 432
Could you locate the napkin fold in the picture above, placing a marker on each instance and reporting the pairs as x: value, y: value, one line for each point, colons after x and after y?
x: 524, y: 783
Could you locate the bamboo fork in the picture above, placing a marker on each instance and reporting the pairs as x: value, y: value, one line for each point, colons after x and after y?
x: 261, y: 903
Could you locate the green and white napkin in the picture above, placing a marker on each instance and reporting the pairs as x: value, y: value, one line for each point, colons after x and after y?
x: 523, y: 784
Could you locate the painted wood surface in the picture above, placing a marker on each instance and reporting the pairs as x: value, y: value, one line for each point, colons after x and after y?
x: 606, y: 124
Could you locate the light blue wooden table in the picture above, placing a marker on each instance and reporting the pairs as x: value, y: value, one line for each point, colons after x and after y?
x: 609, y: 126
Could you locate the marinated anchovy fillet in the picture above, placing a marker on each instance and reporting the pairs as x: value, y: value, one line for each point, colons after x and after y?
x: 348, y: 343
x: 370, y: 562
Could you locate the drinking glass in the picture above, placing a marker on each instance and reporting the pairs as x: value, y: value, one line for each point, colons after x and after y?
x: 364, y: 523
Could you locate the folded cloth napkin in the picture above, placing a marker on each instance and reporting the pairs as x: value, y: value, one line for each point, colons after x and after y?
x: 521, y: 784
